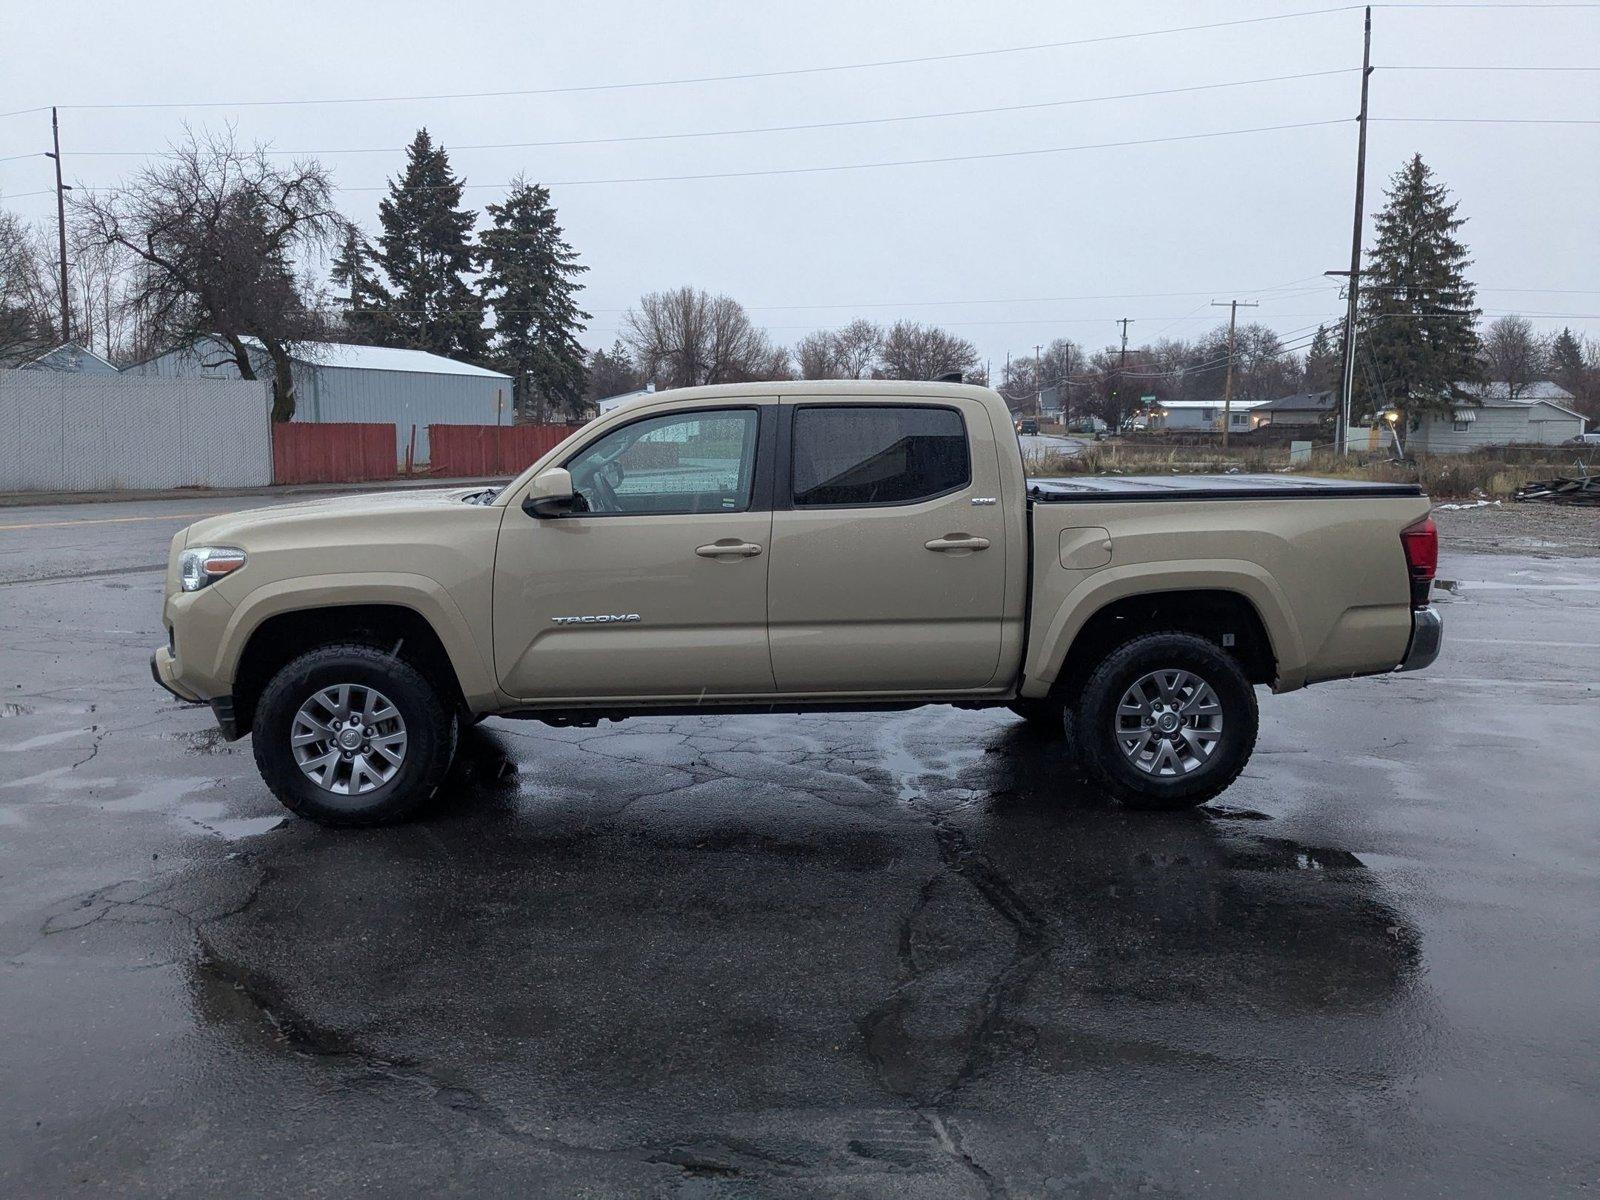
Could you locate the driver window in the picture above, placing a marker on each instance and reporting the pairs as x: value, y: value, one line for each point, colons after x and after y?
x: 693, y: 462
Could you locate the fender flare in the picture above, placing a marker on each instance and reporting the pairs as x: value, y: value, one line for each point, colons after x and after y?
x: 423, y: 596
x: 1238, y: 576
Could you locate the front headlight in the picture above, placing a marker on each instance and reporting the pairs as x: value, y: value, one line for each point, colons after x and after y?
x: 199, y: 566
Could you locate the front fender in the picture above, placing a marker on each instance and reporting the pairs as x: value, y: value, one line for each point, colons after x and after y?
x: 1084, y: 598
x: 424, y: 596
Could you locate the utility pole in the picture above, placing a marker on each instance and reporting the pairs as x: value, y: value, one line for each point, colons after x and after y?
x: 1227, y: 388
x: 61, y: 228
x: 1347, y: 383
x: 1038, y: 384
x: 1066, y: 385
x: 1122, y: 366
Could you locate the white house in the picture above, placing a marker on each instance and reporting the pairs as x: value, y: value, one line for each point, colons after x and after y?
x: 1194, y: 416
x: 69, y: 356
x: 339, y: 382
x: 1541, y: 414
x: 609, y: 403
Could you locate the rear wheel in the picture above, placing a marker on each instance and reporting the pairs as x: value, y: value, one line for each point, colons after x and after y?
x: 1167, y: 720
x: 352, y: 735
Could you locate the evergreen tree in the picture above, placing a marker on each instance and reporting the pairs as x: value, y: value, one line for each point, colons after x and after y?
x: 427, y: 255
x: 1323, y: 368
x: 364, y: 299
x: 530, y: 279
x: 611, y: 373
x: 1418, y: 341
x: 1573, y: 366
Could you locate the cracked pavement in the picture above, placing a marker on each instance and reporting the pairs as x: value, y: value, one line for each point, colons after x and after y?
x: 905, y: 954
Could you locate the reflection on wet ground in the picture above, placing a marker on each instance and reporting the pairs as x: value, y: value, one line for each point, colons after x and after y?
x: 705, y: 931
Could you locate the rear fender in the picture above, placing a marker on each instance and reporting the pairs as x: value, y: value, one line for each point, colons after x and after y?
x: 1056, y: 624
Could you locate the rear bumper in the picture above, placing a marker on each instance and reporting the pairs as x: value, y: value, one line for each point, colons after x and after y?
x: 1427, y: 635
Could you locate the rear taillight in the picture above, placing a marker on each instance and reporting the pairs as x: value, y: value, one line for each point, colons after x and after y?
x: 1421, y: 542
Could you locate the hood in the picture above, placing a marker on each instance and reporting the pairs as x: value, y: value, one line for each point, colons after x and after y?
x: 241, y: 527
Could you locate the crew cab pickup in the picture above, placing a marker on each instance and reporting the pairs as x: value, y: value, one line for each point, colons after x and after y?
x: 782, y: 547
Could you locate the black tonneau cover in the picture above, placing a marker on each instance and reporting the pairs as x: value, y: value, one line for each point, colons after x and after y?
x: 1093, y: 489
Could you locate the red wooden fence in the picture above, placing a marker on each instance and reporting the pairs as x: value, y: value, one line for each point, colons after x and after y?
x: 479, y: 450
x: 314, y: 452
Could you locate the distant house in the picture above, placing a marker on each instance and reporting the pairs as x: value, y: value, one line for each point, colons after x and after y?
x: 608, y: 403
x: 338, y: 382
x: 1195, y: 416
x: 69, y: 356
x: 1308, y: 409
x: 1541, y: 414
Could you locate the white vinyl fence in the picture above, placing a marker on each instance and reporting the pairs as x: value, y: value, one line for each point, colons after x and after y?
x: 63, y: 432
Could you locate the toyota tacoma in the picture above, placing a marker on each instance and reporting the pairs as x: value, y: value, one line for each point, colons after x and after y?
x: 789, y: 547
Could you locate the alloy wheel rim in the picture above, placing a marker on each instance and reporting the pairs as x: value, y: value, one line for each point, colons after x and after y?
x: 348, y: 739
x: 1168, y: 723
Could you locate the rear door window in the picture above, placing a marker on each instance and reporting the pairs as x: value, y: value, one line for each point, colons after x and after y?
x: 861, y: 455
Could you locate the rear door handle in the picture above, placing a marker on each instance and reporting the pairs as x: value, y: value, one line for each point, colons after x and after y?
x: 957, y: 541
x: 728, y: 548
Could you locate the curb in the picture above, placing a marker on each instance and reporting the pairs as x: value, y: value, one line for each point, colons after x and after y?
x: 41, y: 499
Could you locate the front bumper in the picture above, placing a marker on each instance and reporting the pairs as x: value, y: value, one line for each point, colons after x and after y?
x: 1427, y: 635
x: 164, y: 673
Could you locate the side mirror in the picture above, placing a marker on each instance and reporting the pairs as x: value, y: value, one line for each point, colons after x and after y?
x: 550, y: 494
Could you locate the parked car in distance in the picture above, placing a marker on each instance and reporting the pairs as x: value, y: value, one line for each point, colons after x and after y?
x: 1585, y: 439
x: 790, y: 547
x: 1028, y: 426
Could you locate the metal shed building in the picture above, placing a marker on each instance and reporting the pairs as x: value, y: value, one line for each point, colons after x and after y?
x: 339, y: 382
x: 1540, y: 414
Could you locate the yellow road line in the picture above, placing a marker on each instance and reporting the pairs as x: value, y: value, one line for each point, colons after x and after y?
x: 104, y: 521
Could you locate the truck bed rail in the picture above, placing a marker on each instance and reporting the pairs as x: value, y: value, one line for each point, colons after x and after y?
x: 1098, y: 489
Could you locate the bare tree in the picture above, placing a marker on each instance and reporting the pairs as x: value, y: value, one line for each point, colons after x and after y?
x: 28, y: 309
x: 858, y: 346
x: 1515, y: 354
x: 217, y: 233
x: 913, y: 351
x: 686, y: 337
x: 816, y: 356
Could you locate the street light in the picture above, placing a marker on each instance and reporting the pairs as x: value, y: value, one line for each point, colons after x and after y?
x: 1392, y: 416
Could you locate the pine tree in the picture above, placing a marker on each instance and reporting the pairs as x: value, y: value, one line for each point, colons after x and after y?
x: 427, y: 255
x: 1418, y: 341
x: 1323, y: 368
x: 362, y: 307
x: 1572, y: 365
x: 530, y: 279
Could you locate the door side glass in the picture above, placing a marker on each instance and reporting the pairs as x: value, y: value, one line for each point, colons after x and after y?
x: 694, y: 462
x: 862, y: 455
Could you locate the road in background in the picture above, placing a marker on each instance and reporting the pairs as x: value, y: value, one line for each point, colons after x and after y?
x: 854, y: 955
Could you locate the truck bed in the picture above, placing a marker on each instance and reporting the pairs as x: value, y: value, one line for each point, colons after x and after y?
x: 1099, y: 489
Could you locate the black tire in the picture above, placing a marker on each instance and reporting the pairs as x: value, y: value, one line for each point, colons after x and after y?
x: 1095, y: 721
x: 429, y: 723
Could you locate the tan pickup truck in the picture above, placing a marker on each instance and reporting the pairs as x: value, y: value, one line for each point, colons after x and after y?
x: 785, y: 547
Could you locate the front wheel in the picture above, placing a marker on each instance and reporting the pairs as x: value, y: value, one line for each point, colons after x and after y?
x: 1166, y: 721
x: 351, y: 735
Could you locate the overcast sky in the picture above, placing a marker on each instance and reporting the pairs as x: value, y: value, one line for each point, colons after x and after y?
x: 1008, y: 251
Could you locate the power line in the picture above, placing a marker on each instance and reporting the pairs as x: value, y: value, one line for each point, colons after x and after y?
x: 787, y: 72
x: 712, y: 133
x: 1481, y: 67
x: 862, y: 166
x: 911, y: 162
x: 1487, y: 120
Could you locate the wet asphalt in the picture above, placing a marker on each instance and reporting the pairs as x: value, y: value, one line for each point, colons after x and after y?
x: 889, y: 955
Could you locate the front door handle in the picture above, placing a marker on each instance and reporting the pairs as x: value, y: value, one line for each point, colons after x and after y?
x: 728, y: 548
x: 957, y: 541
